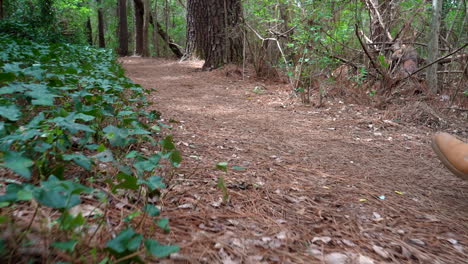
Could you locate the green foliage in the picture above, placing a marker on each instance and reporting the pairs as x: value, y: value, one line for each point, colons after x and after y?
x: 66, y: 111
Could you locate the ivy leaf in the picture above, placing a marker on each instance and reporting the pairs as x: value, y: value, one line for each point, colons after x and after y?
x: 79, y: 159
x: 59, y: 194
x: 10, y: 112
x: 126, y: 240
x: 163, y: 223
x: 104, y: 156
x: 66, y: 245
x: 153, y: 183
x: 70, y: 222
x: 116, y: 136
x: 126, y: 182
x: 151, y: 210
x: 18, y: 163
x: 147, y: 165
x: 158, y: 250
x: 175, y: 158
x: 168, y: 143
x: 7, y: 77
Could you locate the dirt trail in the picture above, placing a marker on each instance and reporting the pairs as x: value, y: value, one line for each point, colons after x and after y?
x: 338, y: 172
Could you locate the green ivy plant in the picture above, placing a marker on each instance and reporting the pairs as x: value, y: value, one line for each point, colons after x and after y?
x: 66, y: 112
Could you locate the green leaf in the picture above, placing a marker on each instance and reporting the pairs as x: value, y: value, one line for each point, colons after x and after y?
x: 126, y: 240
x: 7, y: 77
x: 105, y: 156
x: 238, y: 168
x: 66, y: 245
x: 116, y: 136
x: 24, y: 195
x: 163, y: 223
x: 79, y: 159
x: 131, y: 216
x: 147, y: 165
x: 59, y: 194
x: 222, y: 166
x: 3, y: 248
x: 168, y: 144
x: 153, y: 183
x: 18, y: 163
x: 10, y: 112
x: 68, y: 221
x: 151, y: 210
x: 175, y: 158
x: 158, y: 250
x: 126, y: 182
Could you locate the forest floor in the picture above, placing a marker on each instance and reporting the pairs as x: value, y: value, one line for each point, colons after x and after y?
x: 336, y: 184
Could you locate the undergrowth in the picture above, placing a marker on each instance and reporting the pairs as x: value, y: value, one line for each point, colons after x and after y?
x: 74, y: 140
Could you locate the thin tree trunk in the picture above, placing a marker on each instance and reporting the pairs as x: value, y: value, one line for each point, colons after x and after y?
x: 102, y: 43
x: 89, y: 31
x: 139, y: 21
x: 155, y: 29
x: 123, y: 28
x: 1, y: 9
x: 433, y: 52
x: 166, y: 22
x: 146, y: 51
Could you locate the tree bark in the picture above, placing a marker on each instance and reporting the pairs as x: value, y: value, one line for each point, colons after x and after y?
x: 213, y: 30
x: 155, y: 29
x: 102, y: 43
x: 89, y: 31
x: 123, y: 28
x: 433, y: 52
x: 146, y: 50
x: 197, y: 28
x: 1, y: 9
x: 139, y: 21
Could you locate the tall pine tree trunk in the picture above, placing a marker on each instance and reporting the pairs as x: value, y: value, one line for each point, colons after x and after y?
x: 139, y: 23
x: 102, y: 43
x: 123, y: 28
x: 433, y: 52
x: 197, y: 28
x: 213, y: 30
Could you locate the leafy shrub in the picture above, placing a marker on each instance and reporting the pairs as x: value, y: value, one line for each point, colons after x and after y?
x: 67, y: 112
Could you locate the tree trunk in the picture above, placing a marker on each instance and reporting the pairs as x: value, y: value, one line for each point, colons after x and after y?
x: 123, y: 28
x: 213, y: 29
x: 139, y: 21
x: 146, y: 50
x: 155, y: 29
x: 433, y: 52
x: 197, y: 28
x: 102, y: 43
x: 1, y: 9
x: 89, y: 31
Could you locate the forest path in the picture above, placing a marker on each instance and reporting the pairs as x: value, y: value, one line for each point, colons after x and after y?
x: 309, y: 173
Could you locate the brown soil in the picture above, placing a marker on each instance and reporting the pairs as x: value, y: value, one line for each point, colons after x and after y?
x: 342, y: 174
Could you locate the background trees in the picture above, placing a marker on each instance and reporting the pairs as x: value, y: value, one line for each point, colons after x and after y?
x: 380, y: 42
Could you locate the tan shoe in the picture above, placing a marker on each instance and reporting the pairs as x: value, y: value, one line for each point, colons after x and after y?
x: 452, y: 152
